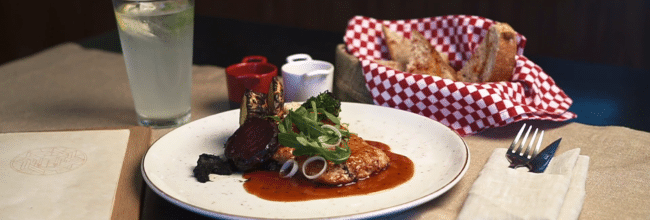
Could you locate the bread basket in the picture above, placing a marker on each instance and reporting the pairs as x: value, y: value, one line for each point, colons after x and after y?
x: 467, y: 108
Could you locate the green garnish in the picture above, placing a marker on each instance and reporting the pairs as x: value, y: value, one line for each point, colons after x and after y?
x: 312, y: 137
x: 327, y: 101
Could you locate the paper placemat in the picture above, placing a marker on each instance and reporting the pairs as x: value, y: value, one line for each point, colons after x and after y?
x: 84, y: 174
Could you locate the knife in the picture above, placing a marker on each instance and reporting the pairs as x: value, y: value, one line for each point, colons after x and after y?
x: 539, y: 163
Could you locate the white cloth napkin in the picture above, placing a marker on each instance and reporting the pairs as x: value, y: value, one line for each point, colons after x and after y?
x: 500, y: 192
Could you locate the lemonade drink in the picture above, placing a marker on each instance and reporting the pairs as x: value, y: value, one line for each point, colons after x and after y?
x: 156, y: 38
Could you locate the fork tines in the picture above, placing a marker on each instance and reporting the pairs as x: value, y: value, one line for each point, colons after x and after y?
x: 520, y: 149
x: 516, y: 154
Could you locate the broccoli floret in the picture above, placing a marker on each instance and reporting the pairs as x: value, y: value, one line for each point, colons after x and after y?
x: 325, y: 100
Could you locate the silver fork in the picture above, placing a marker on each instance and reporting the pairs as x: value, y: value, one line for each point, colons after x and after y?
x: 516, y: 154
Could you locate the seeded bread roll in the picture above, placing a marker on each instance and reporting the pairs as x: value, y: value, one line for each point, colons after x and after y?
x: 494, y: 59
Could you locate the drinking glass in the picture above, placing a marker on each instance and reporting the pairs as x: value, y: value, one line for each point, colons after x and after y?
x: 157, y: 39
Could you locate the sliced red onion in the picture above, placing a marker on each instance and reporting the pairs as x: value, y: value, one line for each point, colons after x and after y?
x: 312, y: 159
x: 285, y: 166
x: 338, y: 133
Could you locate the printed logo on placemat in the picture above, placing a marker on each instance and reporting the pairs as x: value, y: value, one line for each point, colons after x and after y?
x: 48, y: 161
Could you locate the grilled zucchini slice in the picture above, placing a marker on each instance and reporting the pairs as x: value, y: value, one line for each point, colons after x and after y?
x: 253, y: 105
x: 275, y: 97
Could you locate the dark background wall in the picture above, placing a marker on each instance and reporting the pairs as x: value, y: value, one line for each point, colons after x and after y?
x: 607, y: 32
x: 596, y: 51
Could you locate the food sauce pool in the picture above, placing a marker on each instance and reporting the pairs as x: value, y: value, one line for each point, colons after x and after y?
x: 270, y: 186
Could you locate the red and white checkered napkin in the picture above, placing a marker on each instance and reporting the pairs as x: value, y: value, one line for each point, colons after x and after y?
x: 466, y: 108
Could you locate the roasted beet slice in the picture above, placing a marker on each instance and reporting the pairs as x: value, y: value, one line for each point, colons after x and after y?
x: 252, y: 144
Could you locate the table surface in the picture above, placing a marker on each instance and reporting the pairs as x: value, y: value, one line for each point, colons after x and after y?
x: 72, y: 87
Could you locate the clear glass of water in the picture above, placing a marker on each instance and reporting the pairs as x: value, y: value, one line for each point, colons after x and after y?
x: 157, y: 40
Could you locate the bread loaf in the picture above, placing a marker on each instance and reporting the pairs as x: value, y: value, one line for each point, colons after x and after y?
x: 426, y: 60
x: 398, y: 46
x: 392, y: 64
x: 494, y: 59
x: 415, y: 55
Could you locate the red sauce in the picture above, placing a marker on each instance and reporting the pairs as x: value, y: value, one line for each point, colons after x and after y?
x: 270, y: 186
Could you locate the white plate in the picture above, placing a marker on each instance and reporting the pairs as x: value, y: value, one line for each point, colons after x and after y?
x: 440, y: 156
